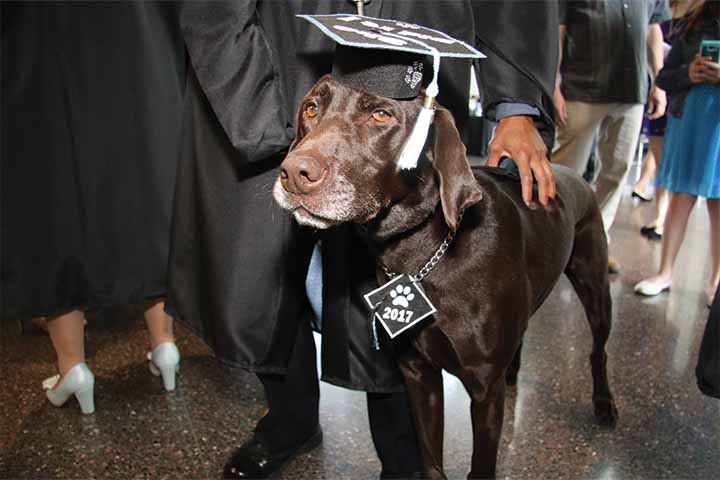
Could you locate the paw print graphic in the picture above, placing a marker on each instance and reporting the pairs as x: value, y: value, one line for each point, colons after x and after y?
x: 402, y: 296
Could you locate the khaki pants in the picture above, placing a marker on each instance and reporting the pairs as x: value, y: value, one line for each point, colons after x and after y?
x: 618, y: 128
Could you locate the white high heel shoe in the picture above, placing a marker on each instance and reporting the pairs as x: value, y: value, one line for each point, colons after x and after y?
x: 164, y: 361
x: 650, y: 287
x: 78, y: 381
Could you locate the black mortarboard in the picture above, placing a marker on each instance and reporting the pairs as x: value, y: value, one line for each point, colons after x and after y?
x: 390, y: 59
x: 387, y: 73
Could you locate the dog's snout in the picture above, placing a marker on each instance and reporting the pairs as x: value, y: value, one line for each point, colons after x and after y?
x: 302, y: 174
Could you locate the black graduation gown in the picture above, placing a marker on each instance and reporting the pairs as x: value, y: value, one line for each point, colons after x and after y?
x: 91, y: 117
x: 238, y: 262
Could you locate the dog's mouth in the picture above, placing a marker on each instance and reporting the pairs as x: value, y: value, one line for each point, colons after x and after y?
x: 335, y: 205
x: 305, y: 217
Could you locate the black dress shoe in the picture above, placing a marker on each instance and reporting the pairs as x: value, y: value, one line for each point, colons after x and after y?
x: 400, y: 476
x: 254, y: 459
x: 641, y: 197
x: 651, y: 233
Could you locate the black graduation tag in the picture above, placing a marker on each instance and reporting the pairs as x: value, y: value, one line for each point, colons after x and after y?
x: 399, y: 304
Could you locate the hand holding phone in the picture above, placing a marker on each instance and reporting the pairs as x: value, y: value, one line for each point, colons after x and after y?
x: 710, y: 48
x: 706, y: 65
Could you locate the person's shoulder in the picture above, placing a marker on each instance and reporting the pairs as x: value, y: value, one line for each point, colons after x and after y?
x: 659, y: 10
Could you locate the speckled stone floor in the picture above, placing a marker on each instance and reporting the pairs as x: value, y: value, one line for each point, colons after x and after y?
x: 667, y: 429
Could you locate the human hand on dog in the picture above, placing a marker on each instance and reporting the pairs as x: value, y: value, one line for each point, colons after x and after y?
x: 516, y: 137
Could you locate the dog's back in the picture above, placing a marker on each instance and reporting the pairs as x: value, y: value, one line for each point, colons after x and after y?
x: 535, y: 240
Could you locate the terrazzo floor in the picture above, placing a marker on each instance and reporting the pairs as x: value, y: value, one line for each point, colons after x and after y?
x: 666, y: 428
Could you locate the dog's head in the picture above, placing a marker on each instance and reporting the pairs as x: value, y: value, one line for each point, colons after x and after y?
x: 342, y: 165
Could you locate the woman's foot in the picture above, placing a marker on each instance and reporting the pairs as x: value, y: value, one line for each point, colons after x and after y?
x: 651, y: 232
x: 78, y: 381
x: 653, y: 286
x: 165, y: 362
x: 641, y: 196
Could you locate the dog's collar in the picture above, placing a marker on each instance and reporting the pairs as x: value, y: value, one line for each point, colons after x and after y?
x: 434, y: 260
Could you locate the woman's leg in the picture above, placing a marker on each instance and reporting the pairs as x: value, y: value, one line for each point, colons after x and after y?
x: 649, y: 166
x: 67, y: 333
x: 159, y: 323
x: 164, y: 361
x: 713, y: 206
x: 662, y: 196
x: 679, y: 208
x: 681, y: 204
x: 662, y: 200
x: 654, y: 155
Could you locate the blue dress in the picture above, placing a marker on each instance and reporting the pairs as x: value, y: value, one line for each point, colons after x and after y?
x: 691, y: 149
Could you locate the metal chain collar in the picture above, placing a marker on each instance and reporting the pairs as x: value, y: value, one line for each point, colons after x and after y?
x: 434, y: 260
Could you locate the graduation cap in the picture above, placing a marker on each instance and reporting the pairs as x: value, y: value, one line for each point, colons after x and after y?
x: 388, y: 58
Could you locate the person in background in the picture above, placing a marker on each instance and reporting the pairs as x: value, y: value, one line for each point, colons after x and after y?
x: 654, y: 229
x: 690, y: 165
x: 94, y: 91
x: 656, y: 131
x: 601, y: 88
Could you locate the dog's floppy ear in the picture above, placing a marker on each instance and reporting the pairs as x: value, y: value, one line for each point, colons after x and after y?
x: 458, y: 188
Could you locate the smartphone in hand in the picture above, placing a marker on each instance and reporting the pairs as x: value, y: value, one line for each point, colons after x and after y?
x: 710, y: 48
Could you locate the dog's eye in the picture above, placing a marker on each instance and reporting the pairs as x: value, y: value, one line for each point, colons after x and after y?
x: 381, y: 116
x: 311, y: 110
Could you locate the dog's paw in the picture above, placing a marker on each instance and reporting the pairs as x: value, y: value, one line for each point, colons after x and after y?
x: 402, y: 296
x: 605, y: 412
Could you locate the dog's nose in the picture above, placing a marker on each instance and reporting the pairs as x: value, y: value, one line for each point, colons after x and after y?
x: 302, y: 175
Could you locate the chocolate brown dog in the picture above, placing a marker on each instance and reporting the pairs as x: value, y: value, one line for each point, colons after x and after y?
x: 502, y: 263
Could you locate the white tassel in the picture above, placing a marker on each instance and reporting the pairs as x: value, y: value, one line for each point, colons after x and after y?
x: 416, y: 141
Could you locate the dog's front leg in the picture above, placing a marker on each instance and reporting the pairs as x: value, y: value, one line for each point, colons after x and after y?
x: 486, y: 410
x: 425, y: 390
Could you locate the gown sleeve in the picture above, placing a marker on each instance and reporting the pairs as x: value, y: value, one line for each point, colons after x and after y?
x: 239, y: 75
x: 520, y: 39
x: 674, y: 76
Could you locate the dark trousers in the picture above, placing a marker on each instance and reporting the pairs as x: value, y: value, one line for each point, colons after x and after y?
x: 293, y: 402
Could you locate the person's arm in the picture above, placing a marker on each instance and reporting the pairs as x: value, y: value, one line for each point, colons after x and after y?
x: 674, y: 76
x: 516, y: 37
x: 234, y: 67
x: 657, y: 99
x: 655, y: 50
x: 558, y: 97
